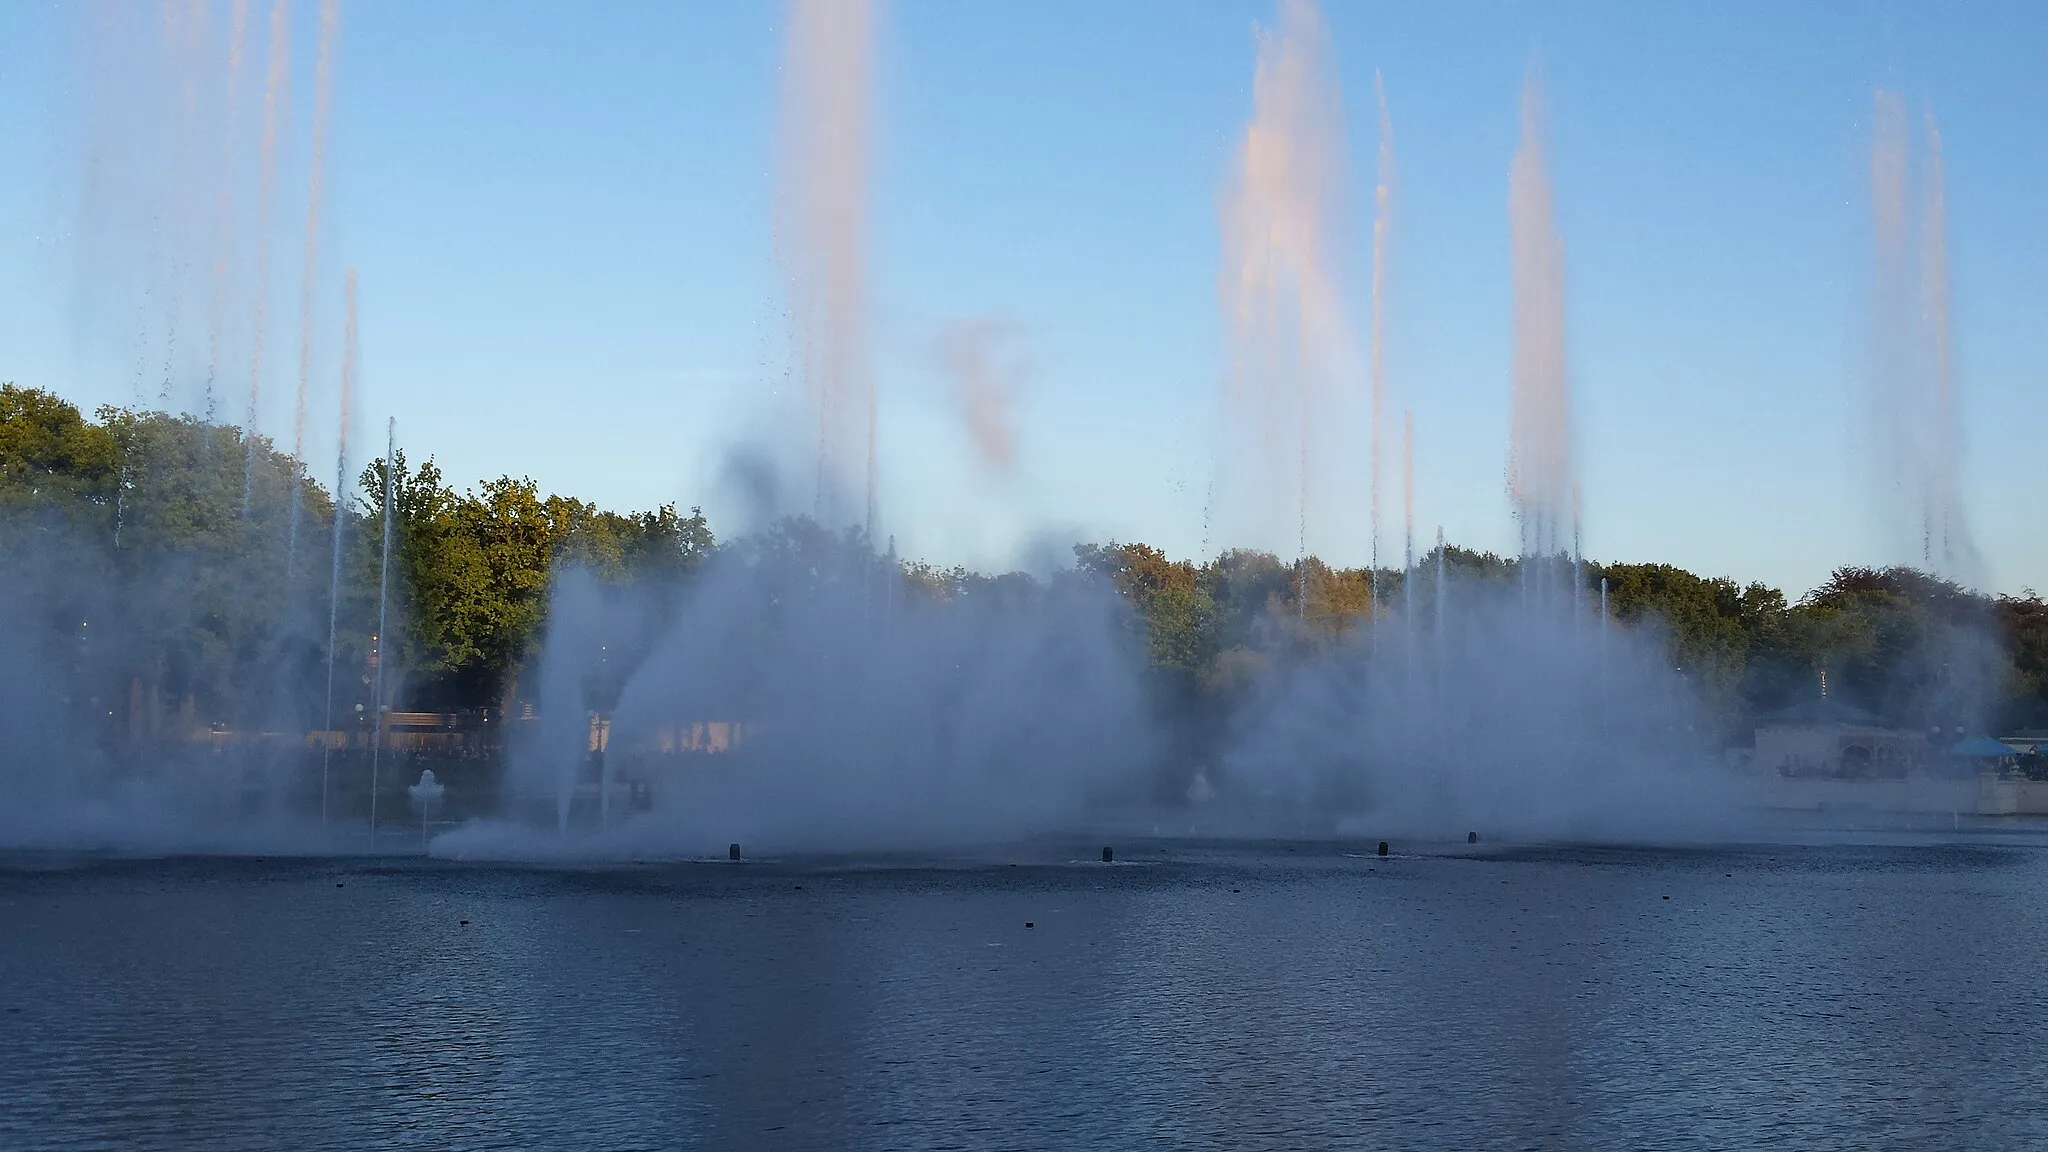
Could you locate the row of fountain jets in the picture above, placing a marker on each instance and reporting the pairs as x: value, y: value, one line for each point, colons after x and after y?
x: 1290, y: 337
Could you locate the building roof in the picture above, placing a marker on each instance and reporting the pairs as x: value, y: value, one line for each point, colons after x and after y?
x: 1823, y: 710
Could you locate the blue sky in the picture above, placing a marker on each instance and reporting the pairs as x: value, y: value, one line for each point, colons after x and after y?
x: 561, y: 219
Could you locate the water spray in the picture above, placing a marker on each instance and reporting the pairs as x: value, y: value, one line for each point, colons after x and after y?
x: 323, y: 84
x: 348, y: 375
x: 276, y: 98
x: 383, y: 622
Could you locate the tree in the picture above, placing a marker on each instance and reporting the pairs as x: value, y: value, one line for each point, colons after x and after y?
x: 50, y: 454
x: 1173, y: 610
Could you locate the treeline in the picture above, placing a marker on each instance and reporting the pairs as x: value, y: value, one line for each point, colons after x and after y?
x: 210, y: 562
x: 1912, y: 648
x: 167, y: 566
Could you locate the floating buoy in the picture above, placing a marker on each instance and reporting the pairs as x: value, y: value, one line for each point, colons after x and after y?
x: 1108, y: 854
x: 733, y: 852
x: 337, y: 883
x: 1471, y: 837
x: 464, y: 923
x: 1383, y: 847
x: 1029, y: 924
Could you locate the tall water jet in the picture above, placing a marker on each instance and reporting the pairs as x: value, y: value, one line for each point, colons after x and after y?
x: 186, y: 35
x: 276, y: 96
x: 1383, y: 195
x: 323, y: 83
x: 348, y: 383
x: 1945, y: 529
x: 1917, y: 438
x: 821, y: 238
x: 224, y: 204
x: 1283, y: 217
x: 1540, y: 449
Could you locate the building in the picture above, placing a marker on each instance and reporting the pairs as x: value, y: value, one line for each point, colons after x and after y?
x: 1827, y: 739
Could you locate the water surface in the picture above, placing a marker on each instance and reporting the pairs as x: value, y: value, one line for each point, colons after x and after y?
x: 1188, y: 996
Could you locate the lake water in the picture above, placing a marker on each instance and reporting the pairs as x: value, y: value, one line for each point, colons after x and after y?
x: 1188, y: 996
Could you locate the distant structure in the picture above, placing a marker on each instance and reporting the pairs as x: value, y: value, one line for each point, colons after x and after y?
x: 1828, y: 739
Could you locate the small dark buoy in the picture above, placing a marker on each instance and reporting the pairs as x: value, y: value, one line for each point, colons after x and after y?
x: 1234, y: 889
x: 732, y: 853
x: 337, y: 883
x: 1667, y: 897
x: 1471, y: 837
x: 1383, y: 847
x: 464, y: 923
x: 1029, y: 924
x: 1108, y: 854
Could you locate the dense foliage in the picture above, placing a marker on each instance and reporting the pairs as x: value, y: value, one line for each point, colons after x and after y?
x: 217, y: 562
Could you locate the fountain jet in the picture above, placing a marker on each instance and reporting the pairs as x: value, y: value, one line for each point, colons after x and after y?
x: 1913, y: 393
x: 1383, y: 196
x: 276, y: 96
x: 1283, y: 218
x: 348, y: 383
x: 821, y: 234
x: 1540, y: 448
x: 224, y: 204
x: 323, y: 85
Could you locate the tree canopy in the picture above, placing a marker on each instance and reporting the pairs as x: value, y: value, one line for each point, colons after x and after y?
x: 223, y: 566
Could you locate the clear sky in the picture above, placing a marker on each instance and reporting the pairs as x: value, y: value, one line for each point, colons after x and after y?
x: 561, y: 217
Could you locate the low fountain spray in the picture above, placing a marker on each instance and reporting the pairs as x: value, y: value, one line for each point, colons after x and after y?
x: 426, y: 797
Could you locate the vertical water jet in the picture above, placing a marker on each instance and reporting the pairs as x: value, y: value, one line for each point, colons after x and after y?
x: 348, y: 380
x: 1916, y: 449
x: 230, y: 115
x: 1540, y: 450
x: 1957, y: 550
x: 821, y: 238
x: 1283, y: 215
x: 276, y: 96
x: 323, y: 83
x: 1383, y: 194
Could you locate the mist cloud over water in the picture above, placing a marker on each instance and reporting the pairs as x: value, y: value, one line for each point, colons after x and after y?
x: 864, y: 712
x: 1506, y: 717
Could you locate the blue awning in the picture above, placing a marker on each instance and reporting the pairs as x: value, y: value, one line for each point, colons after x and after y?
x: 1981, y: 748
